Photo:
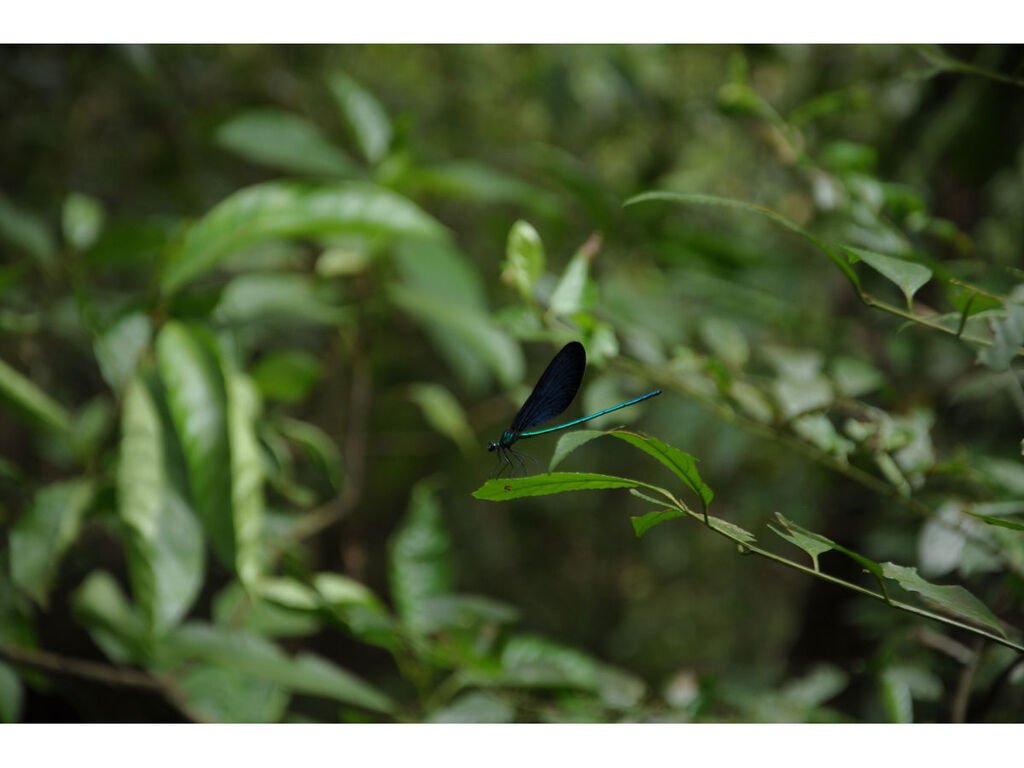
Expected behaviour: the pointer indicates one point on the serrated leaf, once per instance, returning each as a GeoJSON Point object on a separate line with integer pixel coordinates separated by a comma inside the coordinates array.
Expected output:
{"type": "Point", "coordinates": [714, 201]}
{"type": "Point", "coordinates": [909, 276]}
{"type": "Point", "coordinates": [420, 561]}
{"type": "Point", "coordinates": [276, 210]}
{"type": "Point", "coordinates": [445, 414]}
{"type": "Point", "coordinates": [283, 141]}
{"type": "Point", "coordinates": [683, 465]}
{"type": "Point", "coordinates": [507, 489]}
{"type": "Point", "coordinates": [369, 121]}
{"type": "Point", "coordinates": [42, 534]}
{"type": "Point", "coordinates": [952, 598]}
{"type": "Point", "coordinates": [813, 545]}
{"type": "Point", "coordinates": [29, 400]}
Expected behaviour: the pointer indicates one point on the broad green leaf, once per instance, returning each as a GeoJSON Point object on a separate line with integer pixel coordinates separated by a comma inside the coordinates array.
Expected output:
{"type": "Point", "coordinates": [102, 608]}
{"type": "Point", "coordinates": [524, 259]}
{"type": "Point", "coordinates": [12, 695]}
{"type": "Point", "coordinates": [246, 473]}
{"type": "Point", "coordinates": [220, 695]}
{"type": "Point", "coordinates": [471, 328]}
{"type": "Point", "coordinates": [81, 219]}
{"type": "Point", "coordinates": [120, 348]}
{"type": "Point", "coordinates": [794, 534]}
{"type": "Point", "coordinates": [197, 398]}
{"type": "Point", "coordinates": [507, 489]}
{"type": "Point", "coordinates": [259, 659]}
{"type": "Point", "coordinates": [952, 598]}
{"type": "Point", "coordinates": [683, 465]}
{"type": "Point", "coordinates": [27, 233]}
{"type": "Point", "coordinates": [643, 523]}
{"type": "Point", "coordinates": [445, 414]}
{"type": "Point", "coordinates": [477, 183]}
{"type": "Point", "coordinates": [42, 534]}
{"type": "Point", "coordinates": [569, 442]}
{"type": "Point", "coordinates": [907, 275]}
{"type": "Point", "coordinates": [711, 200]}
{"type": "Point", "coordinates": [275, 210]}
{"type": "Point", "coordinates": [533, 662]}
{"type": "Point", "coordinates": [476, 707]}
{"type": "Point", "coordinates": [287, 376]}
{"type": "Point", "coordinates": [355, 606]}
{"type": "Point", "coordinates": [570, 292]}
{"type": "Point", "coordinates": [282, 141]}
{"type": "Point", "coordinates": [29, 400]}
{"type": "Point", "coordinates": [288, 592]}
{"type": "Point", "coordinates": [236, 608]}
{"type": "Point", "coordinates": [420, 561]}
{"type": "Point", "coordinates": [164, 540]}
{"type": "Point", "coordinates": [369, 121]}
{"type": "Point", "coordinates": [276, 300]}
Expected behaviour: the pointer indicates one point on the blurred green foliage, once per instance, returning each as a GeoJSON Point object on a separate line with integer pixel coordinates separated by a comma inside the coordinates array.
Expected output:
{"type": "Point", "coordinates": [262, 307]}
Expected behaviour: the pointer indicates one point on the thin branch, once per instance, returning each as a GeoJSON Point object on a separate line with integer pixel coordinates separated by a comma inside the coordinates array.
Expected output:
{"type": "Point", "coordinates": [958, 711]}
{"type": "Point", "coordinates": [105, 674]}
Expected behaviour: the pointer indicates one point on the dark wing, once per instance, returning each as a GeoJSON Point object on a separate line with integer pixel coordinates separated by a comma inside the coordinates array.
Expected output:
{"type": "Point", "coordinates": [555, 389]}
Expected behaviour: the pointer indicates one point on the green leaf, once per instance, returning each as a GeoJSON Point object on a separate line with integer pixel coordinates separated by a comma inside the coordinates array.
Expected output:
{"type": "Point", "coordinates": [276, 300]}
{"type": "Point", "coordinates": [445, 414]}
{"type": "Point", "coordinates": [287, 376]}
{"type": "Point", "coordinates": [283, 141]}
{"type": "Point", "coordinates": [221, 695]}
{"type": "Point", "coordinates": [246, 474]}
{"type": "Point", "coordinates": [1000, 522]}
{"type": "Point", "coordinates": [164, 542]}
{"type": "Point", "coordinates": [361, 612]}
{"type": "Point", "coordinates": [197, 398]}
{"type": "Point", "coordinates": [27, 233]}
{"type": "Point", "coordinates": [683, 465]}
{"type": "Point", "coordinates": [81, 219]}
{"type": "Point", "coordinates": [420, 561]}
{"type": "Point", "coordinates": [1007, 337]}
{"type": "Point", "coordinates": [714, 201]}
{"type": "Point", "coordinates": [477, 183]}
{"type": "Point", "coordinates": [369, 121]}
{"type": "Point", "coordinates": [275, 210]}
{"type": "Point", "coordinates": [524, 259]}
{"type": "Point", "coordinates": [507, 489]}
{"type": "Point", "coordinates": [120, 348]}
{"type": "Point", "coordinates": [812, 539]}
{"type": "Point", "coordinates": [318, 444]}
{"type": "Point", "coordinates": [726, 341]}
{"type": "Point", "coordinates": [643, 523]}
{"type": "Point", "coordinates": [30, 401]}
{"type": "Point", "coordinates": [568, 296]}
{"type": "Point", "coordinates": [952, 598]}
{"type": "Point", "coordinates": [731, 530]}
{"type": "Point", "coordinates": [569, 442]}
{"type": "Point", "coordinates": [259, 659]}
{"type": "Point", "coordinates": [907, 275]}
{"type": "Point", "coordinates": [102, 608]}
{"type": "Point", "coordinates": [529, 661]}
{"type": "Point", "coordinates": [476, 707]}
{"type": "Point", "coordinates": [794, 534]}
{"type": "Point", "coordinates": [795, 396]}
{"type": "Point", "coordinates": [818, 430]}
{"type": "Point", "coordinates": [854, 377]}
{"type": "Point", "coordinates": [12, 695]}
{"type": "Point", "coordinates": [42, 534]}
{"type": "Point", "coordinates": [236, 608]}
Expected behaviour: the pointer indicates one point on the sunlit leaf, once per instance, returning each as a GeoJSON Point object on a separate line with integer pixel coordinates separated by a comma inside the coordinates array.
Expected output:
{"type": "Point", "coordinates": [81, 219]}
{"type": "Point", "coordinates": [524, 259]}
{"type": "Point", "coordinates": [283, 141]}
{"type": "Point", "coordinates": [277, 210]}
{"type": "Point", "coordinates": [569, 294]}
{"type": "Point", "coordinates": [369, 121]}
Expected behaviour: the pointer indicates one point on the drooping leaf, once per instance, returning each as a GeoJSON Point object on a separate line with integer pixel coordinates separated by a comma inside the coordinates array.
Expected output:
{"type": "Point", "coordinates": [282, 141]}
{"type": "Point", "coordinates": [909, 276]}
{"type": "Point", "coordinates": [369, 121]}
{"type": "Point", "coordinates": [29, 400]}
{"type": "Point", "coordinates": [951, 598]}
{"type": "Point", "coordinates": [42, 534]}
{"type": "Point", "coordinates": [276, 210]}
{"type": "Point", "coordinates": [683, 465]}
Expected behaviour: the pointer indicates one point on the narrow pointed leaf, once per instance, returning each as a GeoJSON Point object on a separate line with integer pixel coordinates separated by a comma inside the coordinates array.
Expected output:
{"type": "Point", "coordinates": [369, 121]}
{"type": "Point", "coordinates": [683, 465]}
{"type": "Point", "coordinates": [507, 489]}
{"type": "Point", "coordinates": [282, 141]}
{"type": "Point", "coordinates": [952, 598]}
{"type": "Point", "coordinates": [28, 400]}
